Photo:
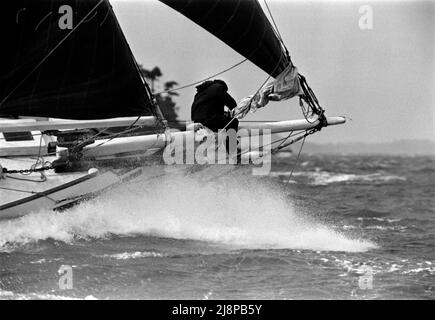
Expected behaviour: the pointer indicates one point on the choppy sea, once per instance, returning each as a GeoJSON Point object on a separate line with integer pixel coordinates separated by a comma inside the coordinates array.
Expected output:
{"type": "Point", "coordinates": [341, 227]}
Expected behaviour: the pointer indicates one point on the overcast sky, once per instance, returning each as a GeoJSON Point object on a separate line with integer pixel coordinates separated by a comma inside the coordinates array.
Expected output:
{"type": "Point", "coordinates": [383, 79]}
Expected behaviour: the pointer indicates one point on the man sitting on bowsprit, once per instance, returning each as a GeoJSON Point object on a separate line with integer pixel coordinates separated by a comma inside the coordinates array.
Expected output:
{"type": "Point", "coordinates": [208, 106]}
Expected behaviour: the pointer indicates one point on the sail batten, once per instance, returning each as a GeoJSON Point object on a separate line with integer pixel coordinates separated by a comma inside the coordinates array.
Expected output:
{"type": "Point", "coordinates": [67, 59]}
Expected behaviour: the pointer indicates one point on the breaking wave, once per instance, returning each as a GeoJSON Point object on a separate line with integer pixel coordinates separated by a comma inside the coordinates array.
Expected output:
{"type": "Point", "coordinates": [237, 210]}
{"type": "Point", "coordinates": [399, 266]}
{"type": "Point", "coordinates": [379, 219]}
{"type": "Point", "coordinates": [9, 295]}
{"type": "Point", "coordinates": [133, 255]}
{"type": "Point", "coordinates": [323, 178]}
{"type": "Point", "coordinates": [381, 228]}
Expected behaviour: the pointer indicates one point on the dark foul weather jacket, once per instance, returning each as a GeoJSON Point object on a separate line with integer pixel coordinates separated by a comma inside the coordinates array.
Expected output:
{"type": "Point", "coordinates": [208, 105]}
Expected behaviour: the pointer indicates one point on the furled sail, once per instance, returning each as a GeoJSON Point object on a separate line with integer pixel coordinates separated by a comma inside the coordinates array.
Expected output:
{"type": "Point", "coordinates": [67, 59]}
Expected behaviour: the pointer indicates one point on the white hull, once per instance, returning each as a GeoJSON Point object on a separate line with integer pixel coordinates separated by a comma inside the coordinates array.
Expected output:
{"type": "Point", "coordinates": [18, 197]}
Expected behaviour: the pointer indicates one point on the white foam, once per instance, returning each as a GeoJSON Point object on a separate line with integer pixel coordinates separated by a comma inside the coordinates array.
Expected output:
{"type": "Point", "coordinates": [430, 270]}
{"type": "Point", "coordinates": [133, 255]}
{"type": "Point", "coordinates": [9, 295]}
{"type": "Point", "coordinates": [379, 219]}
{"type": "Point", "coordinates": [323, 178]}
{"type": "Point", "coordinates": [210, 206]}
{"type": "Point", "coordinates": [40, 261]}
{"type": "Point", "coordinates": [376, 227]}
{"type": "Point", "coordinates": [6, 294]}
{"type": "Point", "coordinates": [383, 228]}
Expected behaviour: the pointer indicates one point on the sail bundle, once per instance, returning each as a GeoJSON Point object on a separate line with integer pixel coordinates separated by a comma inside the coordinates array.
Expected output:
{"type": "Point", "coordinates": [284, 87]}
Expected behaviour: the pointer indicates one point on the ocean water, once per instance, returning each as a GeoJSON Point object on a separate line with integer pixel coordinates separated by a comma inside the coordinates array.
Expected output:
{"type": "Point", "coordinates": [342, 227]}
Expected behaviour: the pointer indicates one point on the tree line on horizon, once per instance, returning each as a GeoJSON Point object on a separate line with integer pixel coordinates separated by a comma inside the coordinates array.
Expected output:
{"type": "Point", "coordinates": [164, 99]}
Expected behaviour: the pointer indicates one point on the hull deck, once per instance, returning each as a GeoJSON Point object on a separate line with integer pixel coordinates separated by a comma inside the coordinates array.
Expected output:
{"type": "Point", "coordinates": [21, 194]}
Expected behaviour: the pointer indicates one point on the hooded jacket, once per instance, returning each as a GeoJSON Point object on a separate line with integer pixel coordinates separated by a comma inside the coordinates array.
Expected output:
{"type": "Point", "coordinates": [210, 100]}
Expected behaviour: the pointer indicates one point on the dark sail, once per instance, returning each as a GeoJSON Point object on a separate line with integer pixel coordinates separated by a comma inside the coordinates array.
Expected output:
{"type": "Point", "coordinates": [55, 66]}
{"type": "Point", "coordinates": [242, 25]}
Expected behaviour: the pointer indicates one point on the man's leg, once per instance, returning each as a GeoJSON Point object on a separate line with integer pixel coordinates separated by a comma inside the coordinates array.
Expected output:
{"type": "Point", "coordinates": [231, 124]}
{"type": "Point", "coordinates": [234, 124]}
{"type": "Point", "coordinates": [218, 123]}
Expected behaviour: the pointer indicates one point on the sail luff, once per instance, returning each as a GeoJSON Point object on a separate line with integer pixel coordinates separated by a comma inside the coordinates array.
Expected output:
{"type": "Point", "coordinates": [242, 25]}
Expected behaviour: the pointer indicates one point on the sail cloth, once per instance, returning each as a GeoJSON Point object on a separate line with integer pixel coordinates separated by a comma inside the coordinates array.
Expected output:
{"type": "Point", "coordinates": [67, 59]}
{"type": "Point", "coordinates": [243, 26]}
{"type": "Point", "coordinates": [284, 87]}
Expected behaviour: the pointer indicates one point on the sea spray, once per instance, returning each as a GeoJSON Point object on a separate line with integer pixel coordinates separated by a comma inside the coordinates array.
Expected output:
{"type": "Point", "coordinates": [219, 204]}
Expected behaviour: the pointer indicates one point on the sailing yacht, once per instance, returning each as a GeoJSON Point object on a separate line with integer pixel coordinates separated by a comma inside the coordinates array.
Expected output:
{"type": "Point", "coordinates": [68, 76]}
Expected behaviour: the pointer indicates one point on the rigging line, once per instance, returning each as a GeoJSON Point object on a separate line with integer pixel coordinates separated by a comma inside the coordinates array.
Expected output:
{"type": "Point", "coordinates": [305, 112]}
{"type": "Point", "coordinates": [250, 100]}
{"type": "Point", "coordinates": [201, 81]}
{"type": "Point", "coordinates": [283, 140]}
{"type": "Point", "coordinates": [17, 190]}
{"type": "Point", "coordinates": [273, 20]}
{"type": "Point", "coordinates": [284, 145]}
{"type": "Point", "coordinates": [269, 76]}
{"type": "Point", "coordinates": [276, 30]}
{"type": "Point", "coordinates": [126, 131]}
{"type": "Point", "coordinates": [103, 143]}
{"type": "Point", "coordinates": [309, 97]}
{"type": "Point", "coordinates": [297, 160]}
{"type": "Point", "coordinates": [29, 192]}
{"type": "Point", "coordinates": [39, 160]}
{"type": "Point", "coordinates": [43, 19]}
{"type": "Point", "coordinates": [43, 178]}
{"type": "Point", "coordinates": [39, 151]}
{"type": "Point", "coordinates": [91, 138]}
{"type": "Point", "coordinates": [110, 138]}
{"type": "Point", "coordinates": [241, 121]}
{"type": "Point", "coordinates": [38, 157]}
{"type": "Point", "coordinates": [260, 121]}
{"type": "Point", "coordinates": [51, 52]}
